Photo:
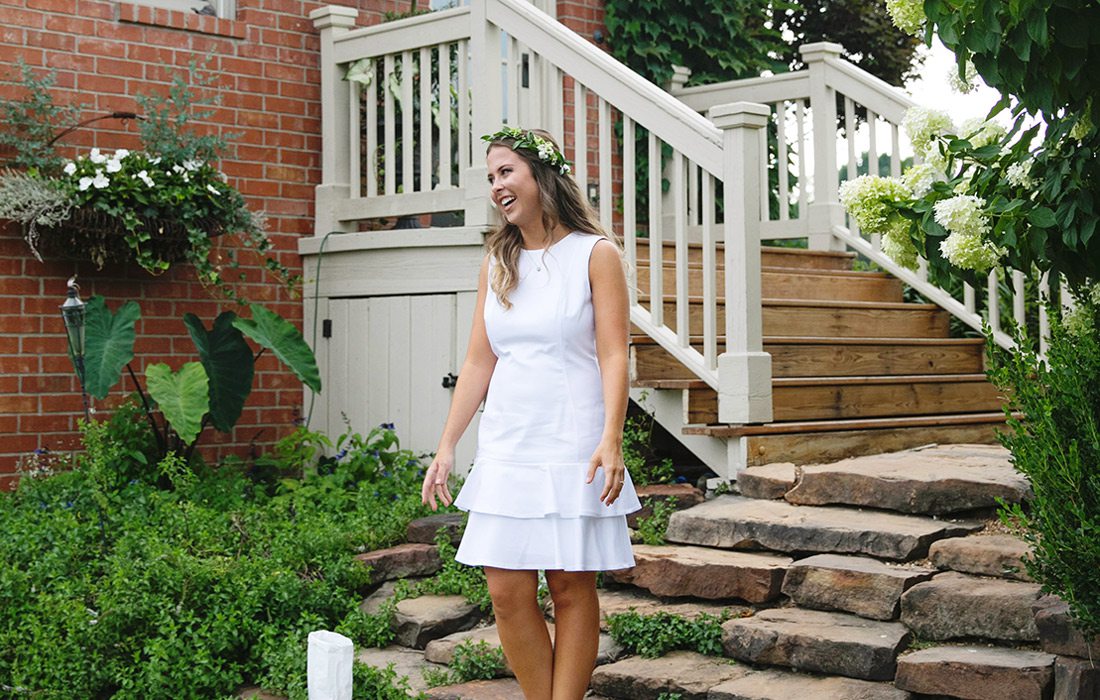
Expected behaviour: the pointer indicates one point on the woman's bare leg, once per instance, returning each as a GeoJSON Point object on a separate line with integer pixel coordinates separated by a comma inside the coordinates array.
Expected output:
{"type": "Point", "coordinates": [576, 631]}
{"type": "Point", "coordinates": [522, 629]}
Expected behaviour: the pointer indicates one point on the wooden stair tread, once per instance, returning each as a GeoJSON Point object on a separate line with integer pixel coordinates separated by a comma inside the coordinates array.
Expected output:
{"type": "Point", "coordinates": [638, 339]}
{"type": "Point", "coordinates": [821, 426]}
{"type": "Point", "coordinates": [670, 384]}
{"type": "Point", "coordinates": [857, 274]}
{"type": "Point", "coordinates": [818, 303]}
{"type": "Point", "coordinates": [878, 379]}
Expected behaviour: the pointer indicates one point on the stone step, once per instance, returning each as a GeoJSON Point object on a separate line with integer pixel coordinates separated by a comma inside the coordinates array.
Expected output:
{"type": "Point", "coordinates": [811, 640]}
{"type": "Point", "coordinates": [735, 522]}
{"type": "Point", "coordinates": [441, 651]}
{"type": "Point", "coordinates": [409, 663]}
{"type": "Point", "coordinates": [982, 555]}
{"type": "Point", "coordinates": [702, 572]}
{"type": "Point", "coordinates": [401, 561]}
{"type": "Point", "coordinates": [613, 602]}
{"type": "Point", "coordinates": [688, 673]}
{"type": "Point", "coordinates": [785, 685]}
{"type": "Point", "coordinates": [679, 496]}
{"type": "Point", "coordinates": [420, 620]}
{"type": "Point", "coordinates": [931, 480]}
{"type": "Point", "coordinates": [957, 606]}
{"type": "Point", "coordinates": [1057, 633]}
{"type": "Point", "coordinates": [498, 689]}
{"type": "Point", "coordinates": [977, 673]}
{"type": "Point", "coordinates": [859, 585]}
{"type": "Point", "coordinates": [423, 530]}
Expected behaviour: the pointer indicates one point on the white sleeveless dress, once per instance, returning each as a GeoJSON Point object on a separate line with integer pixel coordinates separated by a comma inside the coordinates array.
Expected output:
{"type": "Point", "coordinates": [529, 506]}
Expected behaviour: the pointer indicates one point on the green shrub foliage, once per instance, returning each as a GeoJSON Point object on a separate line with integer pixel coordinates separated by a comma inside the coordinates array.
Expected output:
{"type": "Point", "coordinates": [112, 587]}
{"type": "Point", "coordinates": [655, 635]}
{"type": "Point", "coordinates": [1057, 446]}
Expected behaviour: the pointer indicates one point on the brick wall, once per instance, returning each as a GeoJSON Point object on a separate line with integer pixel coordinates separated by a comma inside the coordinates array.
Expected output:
{"type": "Point", "coordinates": [266, 60]}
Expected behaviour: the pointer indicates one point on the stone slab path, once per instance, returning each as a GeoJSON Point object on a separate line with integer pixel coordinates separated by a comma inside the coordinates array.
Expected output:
{"type": "Point", "coordinates": [977, 673]}
{"type": "Point", "coordinates": [702, 572]}
{"type": "Point", "coordinates": [958, 606]}
{"type": "Point", "coordinates": [860, 585]}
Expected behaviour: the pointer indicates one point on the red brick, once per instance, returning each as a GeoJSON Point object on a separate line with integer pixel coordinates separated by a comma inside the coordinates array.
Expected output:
{"type": "Point", "coordinates": [14, 403]}
{"type": "Point", "coordinates": [55, 423]}
{"type": "Point", "coordinates": [48, 383]}
{"type": "Point", "coordinates": [9, 385]}
{"type": "Point", "coordinates": [51, 40]}
{"type": "Point", "coordinates": [18, 443]}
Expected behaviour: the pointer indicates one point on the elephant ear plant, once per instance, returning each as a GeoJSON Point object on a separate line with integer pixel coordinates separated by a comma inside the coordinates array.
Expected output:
{"type": "Point", "coordinates": [212, 390]}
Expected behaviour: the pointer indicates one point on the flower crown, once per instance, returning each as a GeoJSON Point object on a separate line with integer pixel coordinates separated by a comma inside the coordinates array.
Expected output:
{"type": "Point", "coordinates": [531, 141]}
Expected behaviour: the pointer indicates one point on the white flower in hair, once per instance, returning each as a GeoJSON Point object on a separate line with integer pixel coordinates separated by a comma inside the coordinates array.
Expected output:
{"type": "Point", "coordinates": [546, 151]}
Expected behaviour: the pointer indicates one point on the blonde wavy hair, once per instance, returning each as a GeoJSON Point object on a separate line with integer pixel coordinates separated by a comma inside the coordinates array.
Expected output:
{"type": "Point", "coordinates": [562, 203]}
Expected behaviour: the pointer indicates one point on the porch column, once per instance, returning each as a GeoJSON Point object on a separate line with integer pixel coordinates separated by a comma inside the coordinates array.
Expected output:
{"type": "Point", "coordinates": [825, 211]}
{"type": "Point", "coordinates": [335, 120]}
{"type": "Point", "coordinates": [744, 369]}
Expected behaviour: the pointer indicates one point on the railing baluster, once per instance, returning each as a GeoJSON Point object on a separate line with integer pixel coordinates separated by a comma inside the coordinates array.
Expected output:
{"type": "Point", "coordinates": [800, 118]}
{"type": "Point", "coordinates": [1018, 312]}
{"type": "Point", "coordinates": [781, 160]}
{"type": "Point", "coordinates": [895, 151]}
{"type": "Point", "coordinates": [425, 119]}
{"type": "Point", "coordinates": [580, 136]}
{"type": "Point", "coordinates": [710, 277]}
{"type": "Point", "coordinates": [535, 84]}
{"type": "Point", "coordinates": [630, 234]}
{"type": "Point", "coordinates": [694, 218]}
{"type": "Point", "coordinates": [679, 206]}
{"type": "Point", "coordinates": [512, 78]}
{"type": "Point", "coordinates": [850, 139]}
{"type": "Point", "coordinates": [968, 297]}
{"type": "Point", "coordinates": [445, 116]}
{"type": "Point", "coordinates": [388, 127]}
{"type": "Point", "coordinates": [355, 139]}
{"type": "Point", "coordinates": [872, 163]}
{"type": "Point", "coordinates": [605, 178]}
{"type": "Point", "coordinates": [556, 125]}
{"type": "Point", "coordinates": [372, 132]}
{"type": "Point", "coordinates": [407, 137]}
{"type": "Point", "coordinates": [993, 301]}
{"type": "Point", "coordinates": [1044, 321]}
{"type": "Point", "coordinates": [656, 243]}
{"type": "Point", "coordinates": [465, 159]}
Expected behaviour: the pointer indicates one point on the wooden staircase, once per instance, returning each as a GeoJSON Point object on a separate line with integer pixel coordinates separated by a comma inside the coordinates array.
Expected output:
{"type": "Point", "coordinates": [854, 366]}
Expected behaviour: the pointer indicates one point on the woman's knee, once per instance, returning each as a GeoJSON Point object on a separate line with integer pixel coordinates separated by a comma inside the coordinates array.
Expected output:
{"type": "Point", "coordinates": [571, 588]}
{"type": "Point", "coordinates": [511, 591]}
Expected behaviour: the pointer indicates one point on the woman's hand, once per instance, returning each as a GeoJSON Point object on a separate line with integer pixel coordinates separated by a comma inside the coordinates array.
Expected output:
{"type": "Point", "coordinates": [435, 480]}
{"type": "Point", "coordinates": [609, 455]}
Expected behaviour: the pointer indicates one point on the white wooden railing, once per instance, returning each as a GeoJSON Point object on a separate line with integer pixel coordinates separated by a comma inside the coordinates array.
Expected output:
{"type": "Point", "coordinates": [808, 203]}
{"type": "Point", "coordinates": [405, 142]}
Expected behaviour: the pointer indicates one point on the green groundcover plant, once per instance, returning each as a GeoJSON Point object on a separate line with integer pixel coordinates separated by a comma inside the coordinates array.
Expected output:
{"type": "Point", "coordinates": [113, 585]}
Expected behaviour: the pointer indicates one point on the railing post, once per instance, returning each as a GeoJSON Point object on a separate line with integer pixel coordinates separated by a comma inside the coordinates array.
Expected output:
{"type": "Point", "coordinates": [680, 76]}
{"type": "Point", "coordinates": [487, 105]}
{"type": "Point", "coordinates": [335, 185]}
{"type": "Point", "coordinates": [744, 369]}
{"type": "Point", "coordinates": [825, 211]}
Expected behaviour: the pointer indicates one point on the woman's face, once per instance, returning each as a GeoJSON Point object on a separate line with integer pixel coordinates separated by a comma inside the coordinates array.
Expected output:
{"type": "Point", "coordinates": [512, 187]}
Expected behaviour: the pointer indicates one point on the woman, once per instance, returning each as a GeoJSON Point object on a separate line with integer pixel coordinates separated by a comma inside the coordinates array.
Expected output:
{"type": "Point", "coordinates": [548, 354]}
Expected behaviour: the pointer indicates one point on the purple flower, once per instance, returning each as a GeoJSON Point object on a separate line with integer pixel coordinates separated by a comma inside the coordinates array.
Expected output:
{"type": "Point", "coordinates": [341, 454]}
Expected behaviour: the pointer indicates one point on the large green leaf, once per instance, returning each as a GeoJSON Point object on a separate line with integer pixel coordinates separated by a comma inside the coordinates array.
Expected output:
{"type": "Point", "coordinates": [182, 396]}
{"type": "Point", "coordinates": [275, 333]}
{"type": "Point", "coordinates": [229, 366]}
{"type": "Point", "coordinates": [108, 343]}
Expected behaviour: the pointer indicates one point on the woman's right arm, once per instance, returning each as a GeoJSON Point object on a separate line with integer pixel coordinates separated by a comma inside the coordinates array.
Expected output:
{"type": "Point", "coordinates": [470, 390]}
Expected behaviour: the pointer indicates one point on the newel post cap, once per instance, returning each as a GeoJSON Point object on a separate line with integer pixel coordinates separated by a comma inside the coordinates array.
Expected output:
{"type": "Point", "coordinates": [334, 17]}
{"type": "Point", "coordinates": [751, 115]}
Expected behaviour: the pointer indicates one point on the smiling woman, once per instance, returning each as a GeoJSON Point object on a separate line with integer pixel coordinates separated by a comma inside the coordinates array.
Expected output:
{"type": "Point", "coordinates": [548, 355]}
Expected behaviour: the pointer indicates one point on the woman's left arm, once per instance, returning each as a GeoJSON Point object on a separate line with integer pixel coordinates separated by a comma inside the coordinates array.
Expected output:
{"type": "Point", "coordinates": [612, 314]}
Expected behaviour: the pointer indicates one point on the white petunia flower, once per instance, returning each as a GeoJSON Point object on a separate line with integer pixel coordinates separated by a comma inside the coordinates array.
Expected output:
{"type": "Point", "coordinates": [908, 15]}
{"type": "Point", "coordinates": [177, 169]}
{"type": "Point", "coordinates": [213, 190]}
{"type": "Point", "coordinates": [70, 168]}
{"type": "Point", "coordinates": [144, 177]}
{"type": "Point", "coordinates": [85, 183]}
{"type": "Point", "coordinates": [96, 157]}
{"type": "Point", "coordinates": [192, 165]}
{"type": "Point", "coordinates": [100, 180]}
{"type": "Point", "coordinates": [114, 165]}
{"type": "Point", "coordinates": [121, 153]}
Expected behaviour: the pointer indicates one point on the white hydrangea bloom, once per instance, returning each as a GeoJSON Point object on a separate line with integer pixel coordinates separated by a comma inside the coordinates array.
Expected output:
{"type": "Point", "coordinates": [970, 252]}
{"type": "Point", "coordinates": [962, 214]}
{"type": "Point", "coordinates": [100, 180]}
{"type": "Point", "coordinates": [897, 244]}
{"type": "Point", "coordinates": [964, 85]}
{"type": "Point", "coordinates": [866, 199]}
{"type": "Point", "coordinates": [70, 168]}
{"type": "Point", "coordinates": [922, 125]}
{"type": "Point", "coordinates": [908, 15]}
{"type": "Point", "coordinates": [980, 132]}
{"type": "Point", "coordinates": [936, 159]}
{"type": "Point", "coordinates": [920, 178]}
{"type": "Point", "coordinates": [1019, 174]}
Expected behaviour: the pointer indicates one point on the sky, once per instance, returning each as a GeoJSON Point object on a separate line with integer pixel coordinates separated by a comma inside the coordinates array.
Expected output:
{"type": "Point", "coordinates": [931, 88]}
